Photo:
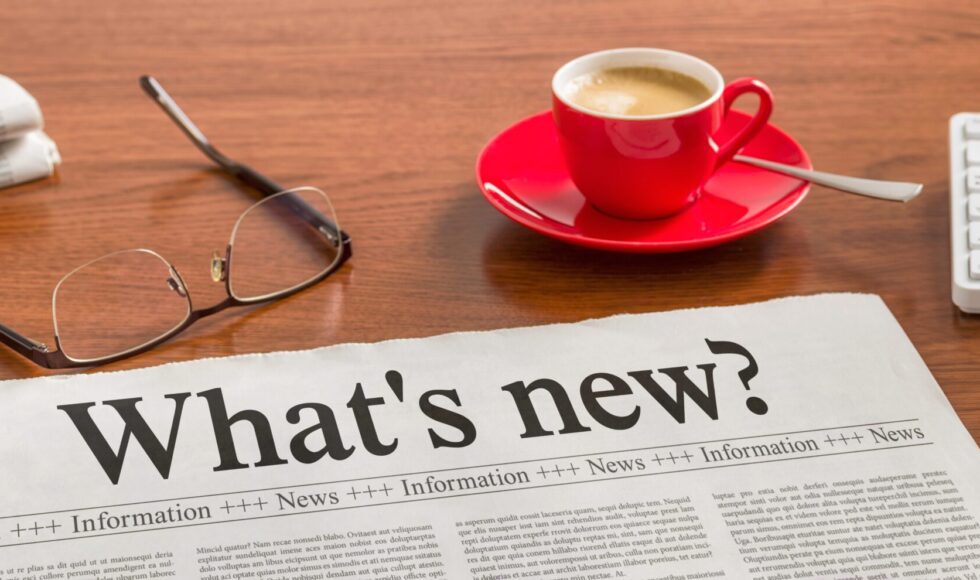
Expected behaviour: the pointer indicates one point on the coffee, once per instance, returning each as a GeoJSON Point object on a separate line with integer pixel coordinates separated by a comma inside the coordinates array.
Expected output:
{"type": "Point", "coordinates": [635, 91]}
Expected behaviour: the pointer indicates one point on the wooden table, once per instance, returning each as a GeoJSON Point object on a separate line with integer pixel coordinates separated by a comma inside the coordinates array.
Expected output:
{"type": "Point", "coordinates": [385, 105]}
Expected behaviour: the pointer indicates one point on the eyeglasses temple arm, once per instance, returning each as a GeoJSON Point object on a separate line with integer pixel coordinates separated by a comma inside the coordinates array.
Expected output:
{"type": "Point", "coordinates": [24, 346]}
{"type": "Point", "coordinates": [246, 174]}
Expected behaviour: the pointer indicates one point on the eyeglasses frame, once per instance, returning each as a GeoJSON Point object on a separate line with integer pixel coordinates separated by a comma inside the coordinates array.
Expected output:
{"type": "Point", "coordinates": [39, 353]}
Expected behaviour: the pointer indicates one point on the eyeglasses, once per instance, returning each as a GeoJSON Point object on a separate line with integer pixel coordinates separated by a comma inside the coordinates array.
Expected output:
{"type": "Point", "coordinates": [129, 302]}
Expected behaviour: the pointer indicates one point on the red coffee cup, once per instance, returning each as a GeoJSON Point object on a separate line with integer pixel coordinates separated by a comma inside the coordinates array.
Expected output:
{"type": "Point", "coordinates": [646, 167]}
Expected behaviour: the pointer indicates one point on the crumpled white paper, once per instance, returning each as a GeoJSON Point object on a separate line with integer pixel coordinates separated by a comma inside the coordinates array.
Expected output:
{"type": "Point", "coordinates": [19, 112]}
{"type": "Point", "coordinates": [33, 156]}
{"type": "Point", "coordinates": [26, 153]}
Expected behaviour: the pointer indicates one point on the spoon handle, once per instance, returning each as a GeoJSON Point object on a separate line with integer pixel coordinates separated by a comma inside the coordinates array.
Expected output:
{"type": "Point", "coordinates": [890, 190]}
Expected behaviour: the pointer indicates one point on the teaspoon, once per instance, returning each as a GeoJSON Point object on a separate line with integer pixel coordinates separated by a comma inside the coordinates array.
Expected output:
{"type": "Point", "coordinates": [889, 190]}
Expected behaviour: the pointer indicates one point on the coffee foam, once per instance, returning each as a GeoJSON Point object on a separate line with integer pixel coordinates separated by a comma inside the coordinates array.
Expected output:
{"type": "Point", "coordinates": [635, 91]}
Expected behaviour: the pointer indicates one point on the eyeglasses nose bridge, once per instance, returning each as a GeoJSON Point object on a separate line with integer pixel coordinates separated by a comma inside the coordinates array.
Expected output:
{"type": "Point", "coordinates": [219, 267]}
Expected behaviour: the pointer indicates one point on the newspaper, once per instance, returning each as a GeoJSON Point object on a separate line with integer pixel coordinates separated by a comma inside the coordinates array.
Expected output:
{"type": "Point", "coordinates": [797, 438]}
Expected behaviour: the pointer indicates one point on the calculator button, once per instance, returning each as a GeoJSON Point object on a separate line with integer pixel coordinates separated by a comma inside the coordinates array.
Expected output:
{"type": "Point", "coordinates": [973, 206]}
{"type": "Point", "coordinates": [973, 153]}
{"type": "Point", "coordinates": [972, 129]}
{"type": "Point", "coordinates": [973, 180]}
{"type": "Point", "coordinates": [974, 236]}
{"type": "Point", "coordinates": [975, 264]}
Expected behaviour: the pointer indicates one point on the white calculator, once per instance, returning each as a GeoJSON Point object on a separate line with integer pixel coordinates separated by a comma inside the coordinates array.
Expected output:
{"type": "Point", "coordinates": [964, 205]}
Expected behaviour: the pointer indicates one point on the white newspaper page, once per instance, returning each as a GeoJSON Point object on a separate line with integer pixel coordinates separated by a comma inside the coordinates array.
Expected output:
{"type": "Point", "coordinates": [797, 438]}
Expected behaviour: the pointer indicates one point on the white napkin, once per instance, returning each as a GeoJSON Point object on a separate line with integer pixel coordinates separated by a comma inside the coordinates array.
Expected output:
{"type": "Point", "coordinates": [33, 156]}
{"type": "Point", "coordinates": [19, 111]}
{"type": "Point", "coordinates": [26, 153]}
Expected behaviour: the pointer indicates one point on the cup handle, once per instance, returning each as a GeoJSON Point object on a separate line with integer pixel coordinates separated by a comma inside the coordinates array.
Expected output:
{"type": "Point", "coordinates": [734, 90]}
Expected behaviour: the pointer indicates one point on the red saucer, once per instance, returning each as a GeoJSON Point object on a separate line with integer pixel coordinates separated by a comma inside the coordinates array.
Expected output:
{"type": "Point", "coordinates": [522, 174]}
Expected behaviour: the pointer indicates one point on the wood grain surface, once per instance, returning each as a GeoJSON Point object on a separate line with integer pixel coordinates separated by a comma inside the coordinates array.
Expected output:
{"type": "Point", "coordinates": [386, 104]}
